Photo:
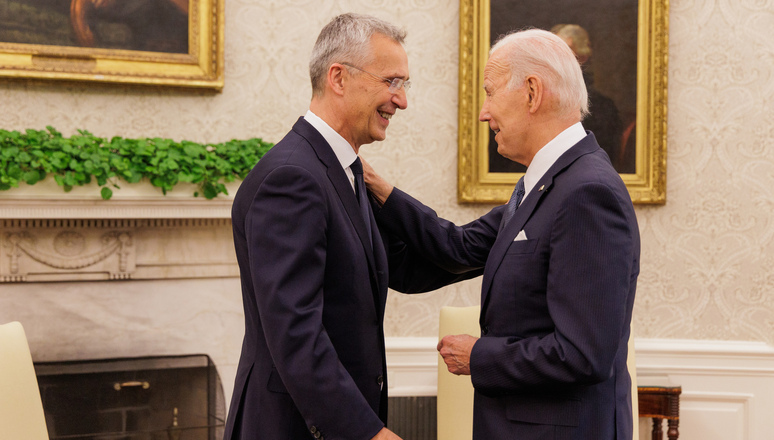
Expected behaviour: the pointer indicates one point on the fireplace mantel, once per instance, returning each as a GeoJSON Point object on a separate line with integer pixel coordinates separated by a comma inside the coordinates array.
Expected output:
{"type": "Point", "coordinates": [49, 235]}
{"type": "Point", "coordinates": [47, 200]}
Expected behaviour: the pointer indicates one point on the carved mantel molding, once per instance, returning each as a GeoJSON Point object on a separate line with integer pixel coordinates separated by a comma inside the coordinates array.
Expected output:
{"type": "Point", "coordinates": [114, 249]}
{"type": "Point", "coordinates": [49, 235]}
{"type": "Point", "coordinates": [46, 200]}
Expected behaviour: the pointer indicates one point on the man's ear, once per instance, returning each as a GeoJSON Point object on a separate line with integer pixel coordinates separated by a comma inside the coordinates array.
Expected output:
{"type": "Point", "coordinates": [535, 92]}
{"type": "Point", "coordinates": [336, 78]}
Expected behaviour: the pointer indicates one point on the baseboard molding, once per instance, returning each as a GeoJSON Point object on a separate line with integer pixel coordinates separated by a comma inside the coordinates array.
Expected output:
{"type": "Point", "coordinates": [728, 386]}
{"type": "Point", "coordinates": [412, 366]}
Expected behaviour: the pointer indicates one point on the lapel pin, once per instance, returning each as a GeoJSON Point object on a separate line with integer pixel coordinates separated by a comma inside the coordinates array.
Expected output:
{"type": "Point", "coordinates": [542, 187]}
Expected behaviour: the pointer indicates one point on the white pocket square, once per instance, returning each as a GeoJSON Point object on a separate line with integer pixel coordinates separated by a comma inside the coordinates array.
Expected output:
{"type": "Point", "coordinates": [520, 236]}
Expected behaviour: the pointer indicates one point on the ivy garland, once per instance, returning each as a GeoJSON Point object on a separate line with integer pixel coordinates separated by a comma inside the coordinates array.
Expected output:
{"type": "Point", "coordinates": [33, 155]}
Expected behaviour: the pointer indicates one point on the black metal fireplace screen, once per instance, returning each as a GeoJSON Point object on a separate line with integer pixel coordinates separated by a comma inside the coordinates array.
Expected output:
{"type": "Point", "coordinates": [148, 398]}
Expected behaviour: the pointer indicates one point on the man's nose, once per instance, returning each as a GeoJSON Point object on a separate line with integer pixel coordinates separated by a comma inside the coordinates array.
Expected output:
{"type": "Point", "coordinates": [401, 99]}
{"type": "Point", "coordinates": [483, 115]}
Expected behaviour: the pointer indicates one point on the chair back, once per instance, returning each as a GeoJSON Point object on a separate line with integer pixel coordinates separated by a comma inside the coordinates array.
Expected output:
{"type": "Point", "coordinates": [21, 409]}
{"type": "Point", "coordinates": [631, 366]}
{"type": "Point", "coordinates": [455, 393]}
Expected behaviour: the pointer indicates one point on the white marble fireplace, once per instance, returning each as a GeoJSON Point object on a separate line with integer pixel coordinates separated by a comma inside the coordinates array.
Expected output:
{"type": "Point", "coordinates": [142, 274]}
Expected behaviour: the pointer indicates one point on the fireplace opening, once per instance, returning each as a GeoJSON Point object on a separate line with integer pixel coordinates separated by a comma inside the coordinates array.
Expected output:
{"type": "Point", "coordinates": [147, 398]}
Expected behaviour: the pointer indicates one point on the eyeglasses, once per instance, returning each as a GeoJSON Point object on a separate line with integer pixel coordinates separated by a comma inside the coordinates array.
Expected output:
{"type": "Point", "coordinates": [395, 83]}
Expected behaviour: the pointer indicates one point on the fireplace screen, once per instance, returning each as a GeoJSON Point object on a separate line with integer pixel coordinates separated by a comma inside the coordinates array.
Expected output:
{"type": "Point", "coordinates": [149, 398]}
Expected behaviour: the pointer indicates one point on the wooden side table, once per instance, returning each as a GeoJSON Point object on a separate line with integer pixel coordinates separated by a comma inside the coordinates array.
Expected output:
{"type": "Point", "coordinates": [659, 403]}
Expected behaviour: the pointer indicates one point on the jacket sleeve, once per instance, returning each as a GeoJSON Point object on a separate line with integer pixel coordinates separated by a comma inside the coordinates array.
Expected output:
{"type": "Point", "coordinates": [410, 272]}
{"type": "Point", "coordinates": [286, 234]}
{"type": "Point", "coordinates": [457, 249]}
{"type": "Point", "coordinates": [591, 270]}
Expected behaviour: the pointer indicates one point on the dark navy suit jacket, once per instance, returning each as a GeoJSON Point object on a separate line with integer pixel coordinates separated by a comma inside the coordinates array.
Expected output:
{"type": "Point", "coordinates": [314, 289]}
{"type": "Point", "coordinates": [556, 307]}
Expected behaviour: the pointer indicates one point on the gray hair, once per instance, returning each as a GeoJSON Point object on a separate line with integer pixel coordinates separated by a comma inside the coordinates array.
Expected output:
{"type": "Point", "coordinates": [347, 39]}
{"type": "Point", "coordinates": [539, 52]}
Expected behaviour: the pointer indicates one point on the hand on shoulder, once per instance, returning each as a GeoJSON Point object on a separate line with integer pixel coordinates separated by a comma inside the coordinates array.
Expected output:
{"type": "Point", "coordinates": [380, 188]}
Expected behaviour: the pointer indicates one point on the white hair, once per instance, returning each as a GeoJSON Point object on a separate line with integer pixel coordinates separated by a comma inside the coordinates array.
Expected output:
{"type": "Point", "coordinates": [541, 53]}
{"type": "Point", "coordinates": [347, 39]}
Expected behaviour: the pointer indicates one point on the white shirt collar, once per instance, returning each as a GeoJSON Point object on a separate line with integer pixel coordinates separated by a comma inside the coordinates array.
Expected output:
{"type": "Point", "coordinates": [546, 156]}
{"type": "Point", "coordinates": [341, 148]}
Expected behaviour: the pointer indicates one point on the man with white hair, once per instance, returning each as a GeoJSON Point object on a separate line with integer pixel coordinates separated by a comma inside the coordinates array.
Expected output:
{"type": "Point", "coordinates": [560, 260]}
{"type": "Point", "coordinates": [313, 265]}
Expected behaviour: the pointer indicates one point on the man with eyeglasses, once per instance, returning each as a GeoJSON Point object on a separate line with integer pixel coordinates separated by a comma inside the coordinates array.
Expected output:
{"type": "Point", "coordinates": [314, 266]}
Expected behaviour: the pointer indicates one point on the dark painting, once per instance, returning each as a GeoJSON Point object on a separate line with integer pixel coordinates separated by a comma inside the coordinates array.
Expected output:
{"type": "Point", "coordinates": [603, 34]}
{"type": "Point", "coordinates": [138, 25]}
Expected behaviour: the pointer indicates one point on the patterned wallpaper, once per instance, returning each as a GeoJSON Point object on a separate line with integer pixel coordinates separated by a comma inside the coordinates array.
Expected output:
{"type": "Point", "coordinates": [707, 254]}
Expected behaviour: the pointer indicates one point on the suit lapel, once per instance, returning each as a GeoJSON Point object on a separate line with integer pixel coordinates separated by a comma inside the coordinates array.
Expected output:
{"type": "Point", "coordinates": [380, 258]}
{"type": "Point", "coordinates": [347, 196]}
{"type": "Point", "coordinates": [526, 209]}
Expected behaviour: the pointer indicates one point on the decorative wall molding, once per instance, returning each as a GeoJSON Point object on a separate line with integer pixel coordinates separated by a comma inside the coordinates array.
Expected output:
{"type": "Point", "coordinates": [728, 386]}
{"type": "Point", "coordinates": [412, 366]}
{"type": "Point", "coordinates": [114, 249]}
{"type": "Point", "coordinates": [117, 209]}
{"type": "Point", "coordinates": [47, 200]}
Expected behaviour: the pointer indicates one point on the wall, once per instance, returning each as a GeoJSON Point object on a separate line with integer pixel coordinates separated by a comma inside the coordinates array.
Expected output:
{"type": "Point", "coordinates": [707, 254]}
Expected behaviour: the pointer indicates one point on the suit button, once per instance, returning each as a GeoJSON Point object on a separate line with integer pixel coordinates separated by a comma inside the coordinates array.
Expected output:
{"type": "Point", "coordinates": [317, 435]}
{"type": "Point", "coordinates": [313, 429]}
{"type": "Point", "coordinates": [485, 330]}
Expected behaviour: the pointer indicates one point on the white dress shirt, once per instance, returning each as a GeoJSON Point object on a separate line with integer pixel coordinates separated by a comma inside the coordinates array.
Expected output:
{"type": "Point", "coordinates": [341, 148]}
{"type": "Point", "coordinates": [546, 156]}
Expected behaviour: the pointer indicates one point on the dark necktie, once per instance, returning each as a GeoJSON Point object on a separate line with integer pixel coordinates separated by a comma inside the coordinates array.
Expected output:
{"type": "Point", "coordinates": [513, 203]}
{"type": "Point", "coordinates": [362, 195]}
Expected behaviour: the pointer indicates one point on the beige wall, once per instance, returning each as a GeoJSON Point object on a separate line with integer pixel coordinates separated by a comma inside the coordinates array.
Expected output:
{"type": "Point", "coordinates": [707, 254]}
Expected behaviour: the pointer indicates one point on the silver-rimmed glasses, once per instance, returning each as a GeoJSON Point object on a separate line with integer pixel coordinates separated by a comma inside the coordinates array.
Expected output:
{"type": "Point", "coordinates": [395, 83]}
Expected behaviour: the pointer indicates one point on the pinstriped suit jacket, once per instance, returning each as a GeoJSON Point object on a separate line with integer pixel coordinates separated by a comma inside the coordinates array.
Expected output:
{"type": "Point", "coordinates": [556, 307]}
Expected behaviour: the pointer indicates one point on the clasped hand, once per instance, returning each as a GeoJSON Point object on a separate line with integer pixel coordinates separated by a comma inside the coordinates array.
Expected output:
{"type": "Point", "coordinates": [455, 350]}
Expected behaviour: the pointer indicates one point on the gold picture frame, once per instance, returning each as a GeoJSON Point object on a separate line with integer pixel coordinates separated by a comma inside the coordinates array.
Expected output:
{"type": "Point", "coordinates": [646, 182]}
{"type": "Point", "coordinates": [169, 43]}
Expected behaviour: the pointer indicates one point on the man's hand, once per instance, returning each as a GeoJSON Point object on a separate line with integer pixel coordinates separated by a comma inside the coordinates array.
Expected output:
{"type": "Point", "coordinates": [380, 188]}
{"type": "Point", "coordinates": [386, 434]}
{"type": "Point", "coordinates": [455, 350]}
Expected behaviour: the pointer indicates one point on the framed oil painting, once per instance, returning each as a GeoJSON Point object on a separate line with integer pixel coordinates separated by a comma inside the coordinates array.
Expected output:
{"type": "Point", "coordinates": [157, 42]}
{"type": "Point", "coordinates": [622, 48]}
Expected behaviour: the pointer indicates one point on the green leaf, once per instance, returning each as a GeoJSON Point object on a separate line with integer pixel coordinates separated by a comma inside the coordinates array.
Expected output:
{"type": "Point", "coordinates": [31, 177]}
{"type": "Point", "coordinates": [23, 157]}
{"type": "Point", "coordinates": [209, 191]}
{"type": "Point", "coordinates": [194, 150]}
{"type": "Point", "coordinates": [106, 193]}
{"type": "Point", "coordinates": [14, 171]}
{"type": "Point", "coordinates": [9, 152]}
